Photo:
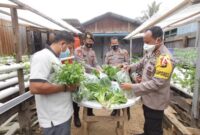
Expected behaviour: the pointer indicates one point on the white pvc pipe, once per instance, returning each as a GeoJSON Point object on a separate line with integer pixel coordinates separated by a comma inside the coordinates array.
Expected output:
{"type": "Point", "coordinates": [8, 75]}
{"type": "Point", "coordinates": [12, 90]}
{"type": "Point", "coordinates": [7, 68]}
{"type": "Point", "coordinates": [11, 81]}
{"type": "Point", "coordinates": [1, 104]}
{"type": "Point", "coordinates": [13, 67]}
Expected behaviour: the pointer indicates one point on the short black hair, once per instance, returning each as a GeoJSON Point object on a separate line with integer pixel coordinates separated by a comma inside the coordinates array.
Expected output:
{"type": "Point", "coordinates": [68, 37]}
{"type": "Point", "coordinates": [156, 31]}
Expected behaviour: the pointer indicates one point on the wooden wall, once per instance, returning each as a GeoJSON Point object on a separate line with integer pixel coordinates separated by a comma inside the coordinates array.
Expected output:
{"type": "Point", "coordinates": [6, 38]}
{"type": "Point", "coordinates": [181, 41]}
{"type": "Point", "coordinates": [101, 47]}
{"type": "Point", "coordinates": [110, 25]}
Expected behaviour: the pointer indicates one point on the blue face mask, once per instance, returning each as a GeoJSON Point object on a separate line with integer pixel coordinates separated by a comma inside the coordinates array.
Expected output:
{"type": "Point", "coordinates": [65, 54]}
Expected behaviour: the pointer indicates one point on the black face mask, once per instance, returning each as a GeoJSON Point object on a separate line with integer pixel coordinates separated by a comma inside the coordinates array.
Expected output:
{"type": "Point", "coordinates": [88, 45]}
{"type": "Point", "coordinates": [115, 47]}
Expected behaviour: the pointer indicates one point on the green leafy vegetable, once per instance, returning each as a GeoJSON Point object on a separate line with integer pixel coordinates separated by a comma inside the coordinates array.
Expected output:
{"type": "Point", "coordinates": [99, 91]}
{"type": "Point", "coordinates": [70, 74]}
{"type": "Point", "coordinates": [110, 71]}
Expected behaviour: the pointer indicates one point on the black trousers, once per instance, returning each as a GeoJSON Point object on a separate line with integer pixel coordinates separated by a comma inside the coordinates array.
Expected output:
{"type": "Point", "coordinates": [153, 121]}
{"type": "Point", "coordinates": [77, 109]}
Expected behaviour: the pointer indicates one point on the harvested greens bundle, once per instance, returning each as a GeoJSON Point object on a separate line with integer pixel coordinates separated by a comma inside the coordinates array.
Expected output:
{"type": "Point", "coordinates": [69, 74]}
{"type": "Point", "coordinates": [110, 71]}
{"type": "Point", "coordinates": [100, 90]}
{"type": "Point", "coordinates": [122, 77]}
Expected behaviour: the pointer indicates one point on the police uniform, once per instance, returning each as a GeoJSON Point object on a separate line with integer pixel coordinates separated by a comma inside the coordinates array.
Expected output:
{"type": "Point", "coordinates": [88, 57]}
{"type": "Point", "coordinates": [115, 58]}
{"type": "Point", "coordinates": [155, 87]}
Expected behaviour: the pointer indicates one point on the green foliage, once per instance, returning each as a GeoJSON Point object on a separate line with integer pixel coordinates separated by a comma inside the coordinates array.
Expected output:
{"type": "Point", "coordinates": [110, 71]}
{"type": "Point", "coordinates": [188, 79]}
{"type": "Point", "coordinates": [186, 64]}
{"type": "Point", "coordinates": [70, 74]}
{"type": "Point", "coordinates": [152, 9]}
{"type": "Point", "coordinates": [100, 92]}
{"type": "Point", "coordinates": [185, 56]}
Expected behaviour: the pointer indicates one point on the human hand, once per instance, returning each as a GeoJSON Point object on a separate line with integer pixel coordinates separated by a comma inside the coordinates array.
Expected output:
{"type": "Point", "coordinates": [126, 68]}
{"type": "Point", "coordinates": [71, 87]}
{"type": "Point", "coordinates": [126, 86]}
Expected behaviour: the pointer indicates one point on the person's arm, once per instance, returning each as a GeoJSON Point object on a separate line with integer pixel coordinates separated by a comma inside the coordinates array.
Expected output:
{"type": "Point", "coordinates": [48, 88]}
{"type": "Point", "coordinates": [98, 67]}
{"type": "Point", "coordinates": [40, 70]}
{"type": "Point", "coordinates": [126, 57]}
{"type": "Point", "coordinates": [137, 66]}
{"type": "Point", "coordinates": [80, 60]}
{"type": "Point", "coordinates": [145, 88]}
{"type": "Point", "coordinates": [160, 78]}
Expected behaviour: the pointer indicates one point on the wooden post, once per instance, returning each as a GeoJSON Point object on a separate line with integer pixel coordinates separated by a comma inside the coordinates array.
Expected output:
{"type": "Point", "coordinates": [131, 49]}
{"type": "Point", "coordinates": [23, 119]}
{"type": "Point", "coordinates": [185, 42]}
{"type": "Point", "coordinates": [85, 124]}
{"type": "Point", "coordinates": [196, 97]}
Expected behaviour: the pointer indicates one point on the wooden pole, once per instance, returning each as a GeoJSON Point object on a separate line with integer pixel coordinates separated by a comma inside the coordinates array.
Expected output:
{"type": "Point", "coordinates": [196, 97]}
{"type": "Point", "coordinates": [23, 116]}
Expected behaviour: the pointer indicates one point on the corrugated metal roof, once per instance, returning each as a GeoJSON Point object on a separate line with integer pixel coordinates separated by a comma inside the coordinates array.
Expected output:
{"type": "Point", "coordinates": [109, 34]}
{"type": "Point", "coordinates": [188, 14]}
{"type": "Point", "coordinates": [159, 17]}
{"type": "Point", "coordinates": [120, 17]}
{"type": "Point", "coordinates": [37, 19]}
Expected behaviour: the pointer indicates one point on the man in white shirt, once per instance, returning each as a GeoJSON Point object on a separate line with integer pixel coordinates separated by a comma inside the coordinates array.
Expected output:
{"type": "Point", "coordinates": [53, 101]}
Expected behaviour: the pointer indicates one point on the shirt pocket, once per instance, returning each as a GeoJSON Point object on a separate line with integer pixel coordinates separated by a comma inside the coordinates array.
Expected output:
{"type": "Point", "coordinates": [121, 57]}
{"type": "Point", "coordinates": [150, 70]}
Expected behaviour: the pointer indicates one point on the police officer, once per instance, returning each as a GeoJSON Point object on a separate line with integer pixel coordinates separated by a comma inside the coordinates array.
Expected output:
{"type": "Point", "coordinates": [116, 57]}
{"type": "Point", "coordinates": [85, 55]}
{"type": "Point", "coordinates": [157, 67]}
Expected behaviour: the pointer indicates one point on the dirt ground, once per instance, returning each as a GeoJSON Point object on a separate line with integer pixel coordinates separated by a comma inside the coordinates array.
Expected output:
{"type": "Point", "coordinates": [134, 126]}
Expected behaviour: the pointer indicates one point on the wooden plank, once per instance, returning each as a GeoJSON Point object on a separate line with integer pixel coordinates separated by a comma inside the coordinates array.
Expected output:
{"type": "Point", "coordinates": [9, 120]}
{"type": "Point", "coordinates": [104, 118]}
{"type": "Point", "coordinates": [85, 124]}
{"type": "Point", "coordinates": [182, 103]}
{"type": "Point", "coordinates": [24, 119]}
{"type": "Point", "coordinates": [196, 97]}
{"type": "Point", "coordinates": [5, 116]}
{"type": "Point", "coordinates": [9, 6]}
{"type": "Point", "coordinates": [194, 131]}
{"type": "Point", "coordinates": [13, 129]}
{"type": "Point", "coordinates": [178, 126]}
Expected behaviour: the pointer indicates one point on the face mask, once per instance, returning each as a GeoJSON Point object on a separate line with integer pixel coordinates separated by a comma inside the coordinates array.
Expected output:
{"type": "Point", "coordinates": [64, 54]}
{"type": "Point", "coordinates": [149, 47]}
{"type": "Point", "coordinates": [88, 45]}
{"type": "Point", "coordinates": [115, 47]}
